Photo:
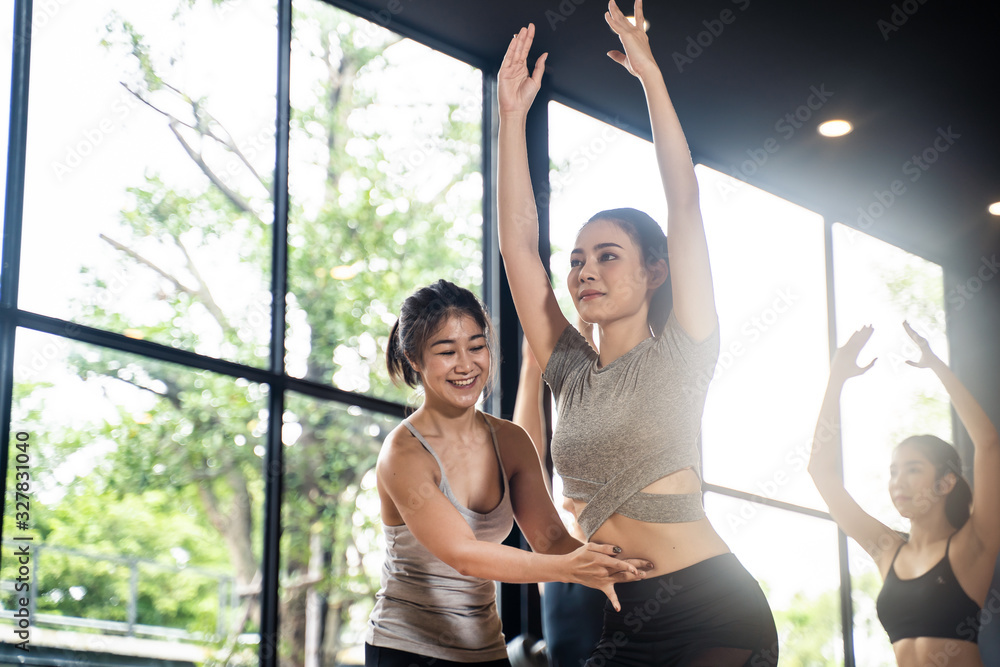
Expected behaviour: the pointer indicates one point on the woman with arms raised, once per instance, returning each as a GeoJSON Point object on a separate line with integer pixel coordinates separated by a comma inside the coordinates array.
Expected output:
{"type": "Point", "coordinates": [451, 480]}
{"type": "Point", "coordinates": [626, 441]}
{"type": "Point", "coordinates": [936, 579]}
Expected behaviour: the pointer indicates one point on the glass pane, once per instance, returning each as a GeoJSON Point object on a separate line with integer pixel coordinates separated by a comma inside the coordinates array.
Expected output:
{"type": "Point", "coordinates": [386, 190]}
{"type": "Point", "coordinates": [879, 284]}
{"type": "Point", "coordinates": [794, 558]}
{"type": "Point", "coordinates": [147, 196]}
{"type": "Point", "coordinates": [331, 532]}
{"type": "Point", "coordinates": [146, 490]}
{"type": "Point", "coordinates": [871, 643]}
{"type": "Point", "coordinates": [6, 28]}
{"type": "Point", "coordinates": [768, 265]}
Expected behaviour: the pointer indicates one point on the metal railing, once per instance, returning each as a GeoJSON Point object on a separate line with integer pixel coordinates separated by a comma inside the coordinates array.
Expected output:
{"type": "Point", "coordinates": [226, 586]}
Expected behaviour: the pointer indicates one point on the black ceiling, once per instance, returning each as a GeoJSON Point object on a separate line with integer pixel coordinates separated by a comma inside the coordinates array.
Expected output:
{"type": "Point", "coordinates": [912, 75]}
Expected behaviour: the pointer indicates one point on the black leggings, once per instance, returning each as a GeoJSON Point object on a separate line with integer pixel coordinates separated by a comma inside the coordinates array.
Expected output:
{"type": "Point", "coordinates": [712, 613]}
{"type": "Point", "coordinates": [378, 656]}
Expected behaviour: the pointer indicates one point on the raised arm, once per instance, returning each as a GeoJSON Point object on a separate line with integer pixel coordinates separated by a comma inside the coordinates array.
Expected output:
{"type": "Point", "coordinates": [405, 477]}
{"type": "Point", "coordinates": [691, 274]}
{"type": "Point", "coordinates": [824, 465]}
{"type": "Point", "coordinates": [541, 318]}
{"type": "Point", "coordinates": [986, 464]}
{"type": "Point", "coordinates": [528, 412]}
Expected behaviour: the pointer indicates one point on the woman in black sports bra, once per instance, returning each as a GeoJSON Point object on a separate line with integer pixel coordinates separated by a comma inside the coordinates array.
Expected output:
{"type": "Point", "coordinates": [936, 581]}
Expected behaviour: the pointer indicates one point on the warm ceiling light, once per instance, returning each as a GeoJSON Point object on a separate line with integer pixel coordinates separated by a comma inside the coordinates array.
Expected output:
{"type": "Point", "coordinates": [995, 208]}
{"type": "Point", "coordinates": [645, 23]}
{"type": "Point", "coordinates": [835, 128]}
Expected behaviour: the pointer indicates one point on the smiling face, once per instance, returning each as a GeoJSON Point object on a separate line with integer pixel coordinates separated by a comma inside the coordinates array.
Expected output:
{"type": "Point", "coordinates": [608, 277]}
{"type": "Point", "coordinates": [913, 483]}
{"type": "Point", "coordinates": [455, 363]}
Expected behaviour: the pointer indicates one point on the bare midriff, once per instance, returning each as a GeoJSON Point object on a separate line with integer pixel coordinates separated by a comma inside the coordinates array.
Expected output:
{"type": "Point", "coordinates": [669, 546]}
{"type": "Point", "coordinates": [921, 651]}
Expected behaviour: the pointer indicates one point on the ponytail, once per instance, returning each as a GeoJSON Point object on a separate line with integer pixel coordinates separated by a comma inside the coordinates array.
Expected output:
{"type": "Point", "coordinates": [396, 362]}
{"type": "Point", "coordinates": [958, 504]}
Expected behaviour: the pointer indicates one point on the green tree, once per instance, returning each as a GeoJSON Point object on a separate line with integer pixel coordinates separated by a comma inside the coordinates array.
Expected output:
{"type": "Point", "coordinates": [191, 452]}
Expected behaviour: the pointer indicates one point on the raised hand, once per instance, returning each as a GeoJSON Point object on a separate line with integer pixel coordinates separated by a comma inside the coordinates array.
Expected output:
{"type": "Point", "coordinates": [927, 356]}
{"type": "Point", "coordinates": [516, 88]}
{"type": "Point", "coordinates": [638, 58]}
{"type": "Point", "coordinates": [845, 360]}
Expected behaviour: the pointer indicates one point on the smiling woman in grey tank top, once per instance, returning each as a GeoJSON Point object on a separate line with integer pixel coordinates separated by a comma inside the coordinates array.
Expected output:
{"type": "Point", "coordinates": [451, 482]}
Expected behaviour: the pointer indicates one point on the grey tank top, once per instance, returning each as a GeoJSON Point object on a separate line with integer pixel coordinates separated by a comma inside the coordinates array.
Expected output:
{"type": "Point", "coordinates": [424, 605]}
{"type": "Point", "coordinates": [626, 425]}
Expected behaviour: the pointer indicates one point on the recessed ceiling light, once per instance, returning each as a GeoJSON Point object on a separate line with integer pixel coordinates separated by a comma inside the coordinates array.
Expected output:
{"type": "Point", "coordinates": [995, 208]}
{"type": "Point", "coordinates": [645, 23]}
{"type": "Point", "coordinates": [835, 128]}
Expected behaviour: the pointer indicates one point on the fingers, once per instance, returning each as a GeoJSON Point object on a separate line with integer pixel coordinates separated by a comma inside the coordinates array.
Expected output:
{"type": "Point", "coordinates": [605, 556]}
{"type": "Point", "coordinates": [609, 590]}
{"type": "Point", "coordinates": [536, 76]}
{"type": "Point", "coordinates": [526, 37]}
{"type": "Point", "coordinates": [616, 19]}
{"type": "Point", "coordinates": [642, 564]}
{"type": "Point", "coordinates": [912, 333]}
{"type": "Point", "coordinates": [619, 58]}
{"type": "Point", "coordinates": [864, 333]}
{"type": "Point", "coordinates": [639, 21]}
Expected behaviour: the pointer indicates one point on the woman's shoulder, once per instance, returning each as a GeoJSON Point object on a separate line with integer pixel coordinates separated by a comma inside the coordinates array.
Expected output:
{"type": "Point", "coordinates": [400, 449]}
{"type": "Point", "coordinates": [504, 428]}
{"type": "Point", "coordinates": [510, 437]}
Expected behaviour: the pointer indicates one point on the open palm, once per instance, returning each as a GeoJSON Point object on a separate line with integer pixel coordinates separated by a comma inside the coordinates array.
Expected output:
{"type": "Point", "coordinates": [845, 360]}
{"type": "Point", "coordinates": [516, 87]}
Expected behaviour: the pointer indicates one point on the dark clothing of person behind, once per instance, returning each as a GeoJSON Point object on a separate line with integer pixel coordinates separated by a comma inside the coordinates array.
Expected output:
{"type": "Point", "coordinates": [572, 618]}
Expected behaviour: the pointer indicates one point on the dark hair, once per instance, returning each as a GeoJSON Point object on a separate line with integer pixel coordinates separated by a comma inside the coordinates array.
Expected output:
{"type": "Point", "coordinates": [421, 314]}
{"type": "Point", "coordinates": [648, 236]}
{"type": "Point", "coordinates": [945, 459]}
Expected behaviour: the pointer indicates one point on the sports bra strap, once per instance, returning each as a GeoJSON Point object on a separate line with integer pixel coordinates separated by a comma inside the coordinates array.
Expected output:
{"type": "Point", "coordinates": [892, 565]}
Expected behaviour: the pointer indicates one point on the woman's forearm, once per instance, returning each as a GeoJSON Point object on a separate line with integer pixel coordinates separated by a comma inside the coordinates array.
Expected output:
{"type": "Point", "coordinates": [673, 155]}
{"type": "Point", "coordinates": [516, 212]}
{"type": "Point", "coordinates": [825, 457]}
{"type": "Point", "coordinates": [975, 420]}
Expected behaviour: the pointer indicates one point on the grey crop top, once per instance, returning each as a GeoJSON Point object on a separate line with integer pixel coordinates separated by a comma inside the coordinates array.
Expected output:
{"type": "Point", "coordinates": [626, 425]}
{"type": "Point", "coordinates": [424, 605]}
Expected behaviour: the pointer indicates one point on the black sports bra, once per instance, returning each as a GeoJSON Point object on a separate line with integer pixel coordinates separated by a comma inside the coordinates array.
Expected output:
{"type": "Point", "coordinates": [931, 605]}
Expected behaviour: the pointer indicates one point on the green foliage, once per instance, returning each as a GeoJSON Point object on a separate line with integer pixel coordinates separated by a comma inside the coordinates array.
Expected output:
{"type": "Point", "coordinates": [170, 470]}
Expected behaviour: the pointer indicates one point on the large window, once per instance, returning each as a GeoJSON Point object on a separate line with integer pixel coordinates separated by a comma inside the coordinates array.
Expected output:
{"type": "Point", "coordinates": [147, 202]}
{"type": "Point", "coordinates": [159, 435]}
